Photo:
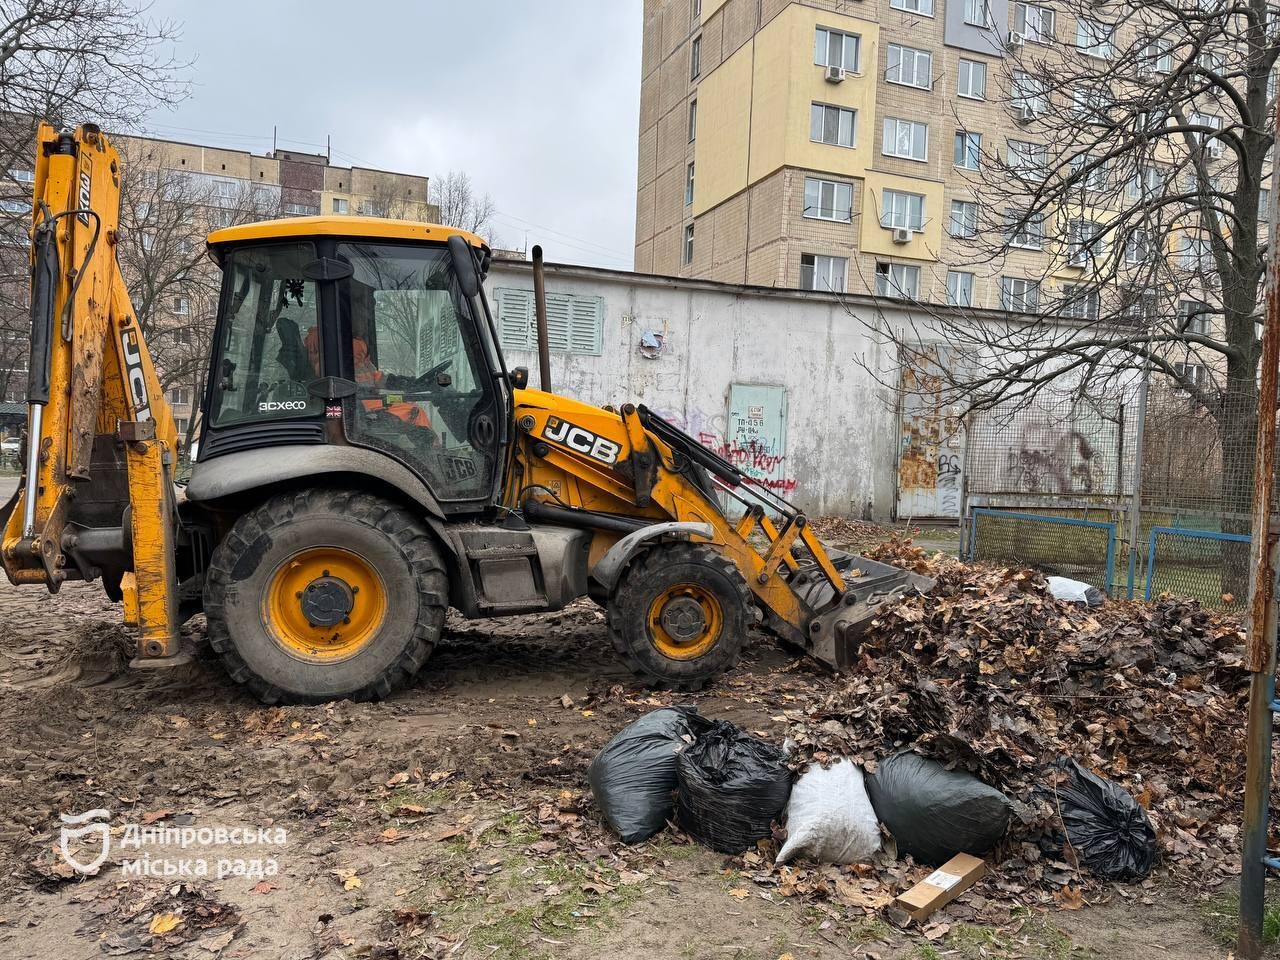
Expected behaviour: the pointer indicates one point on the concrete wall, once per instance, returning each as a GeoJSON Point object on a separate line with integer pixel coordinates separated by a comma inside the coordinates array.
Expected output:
{"type": "Point", "coordinates": [841, 431]}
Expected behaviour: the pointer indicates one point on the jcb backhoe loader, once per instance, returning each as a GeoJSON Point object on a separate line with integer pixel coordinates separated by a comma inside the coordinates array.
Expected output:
{"type": "Point", "coordinates": [367, 460]}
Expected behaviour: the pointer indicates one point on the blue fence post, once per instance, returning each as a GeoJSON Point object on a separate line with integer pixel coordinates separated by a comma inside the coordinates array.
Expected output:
{"type": "Point", "coordinates": [1111, 557]}
{"type": "Point", "coordinates": [1151, 562]}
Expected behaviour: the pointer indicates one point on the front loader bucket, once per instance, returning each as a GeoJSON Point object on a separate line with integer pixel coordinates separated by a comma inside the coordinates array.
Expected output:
{"type": "Point", "coordinates": [835, 632]}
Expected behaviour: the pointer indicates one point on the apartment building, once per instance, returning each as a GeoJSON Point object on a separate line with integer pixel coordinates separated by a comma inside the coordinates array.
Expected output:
{"type": "Point", "coordinates": [834, 144]}
{"type": "Point", "coordinates": [220, 186]}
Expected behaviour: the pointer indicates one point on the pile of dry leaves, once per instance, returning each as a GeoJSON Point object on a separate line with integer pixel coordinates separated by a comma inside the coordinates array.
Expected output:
{"type": "Point", "coordinates": [991, 674]}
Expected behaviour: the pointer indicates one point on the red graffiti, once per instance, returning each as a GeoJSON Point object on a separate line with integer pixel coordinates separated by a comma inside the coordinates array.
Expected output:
{"type": "Point", "coordinates": [752, 459]}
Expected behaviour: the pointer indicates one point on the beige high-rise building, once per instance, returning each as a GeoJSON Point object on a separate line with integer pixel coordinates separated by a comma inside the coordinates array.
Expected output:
{"type": "Point", "coordinates": [765, 155]}
{"type": "Point", "coordinates": [834, 144]}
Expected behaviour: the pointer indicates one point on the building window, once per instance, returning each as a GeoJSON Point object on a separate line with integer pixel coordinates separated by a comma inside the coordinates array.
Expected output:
{"type": "Point", "coordinates": [695, 58]}
{"type": "Point", "coordinates": [828, 200]}
{"type": "Point", "coordinates": [340, 205]}
{"type": "Point", "coordinates": [688, 245]}
{"type": "Point", "coordinates": [1095, 38]}
{"type": "Point", "coordinates": [823, 273]}
{"type": "Point", "coordinates": [1085, 243]}
{"type": "Point", "coordinates": [180, 395]}
{"type": "Point", "coordinates": [1029, 95]}
{"type": "Point", "coordinates": [1196, 253]}
{"type": "Point", "coordinates": [182, 423]}
{"type": "Point", "coordinates": [1026, 160]}
{"type": "Point", "coordinates": [1264, 204]}
{"type": "Point", "coordinates": [832, 48]}
{"type": "Point", "coordinates": [1090, 172]}
{"type": "Point", "coordinates": [688, 186]}
{"type": "Point", "coordinates": [697, 9]}
{"type": "Point", "coordinates": [15, 206]}
{"type": "Point", "coordinates": [968, 149]}
{"type": "Point", "coordinates": [897, 280]}
{"type": "Point", "coordinates": [23, 175]}
{"type": "Point", "coordinates": [181, 335]}
{"type": "Point", "coordinates": [575, 324]}
{"type": "Point", "coordinates": [302, 209]}
{"type": "Point", "coordinates": [1080, 302]}
{"type": "Point", "coordinates": [973, 80]}
{"type": "Point", "coordinates": [977, 13]}
{"type": "Point", "coordinates": [964, 219]}
{"type": "Point", "coordinates": [1140, 305]}
{"type": "Point", "coordinates": [910, 67]}
{"type": "Point", "coordinates": [1148, 181]}
{"type": "Point", "coordinates": [1195, 317]}
{"type": "Point", "coordinates": [1193, 374]}
{"type": "Point", "coordinates": [1212, 147]}
{"type": "Point", "coordinates": [1033, 22]}
{"type": "Point", "coordinates": [922, 7]}
{"type": "Point", "coordinates": [181, 306]}
{"type": "Point", "coordinates": [1156, 56]}
{"type": "Point", "coordinates": [908, 139]}
{"type": "Point", "coordinates": [902, 211]}
{"type": "Point", "coordinates": [1023, 230]}
{"type": "Point", "coordinates": [1018, 295]}
{"type": "Point", "coordinates": [1138, 247]}
{"type": "Point", "coordinates": [693, 120]}
{"type": "Point", "coordinates": [959, 288]}
{"type": "Point", "coordinates": [833, 125]}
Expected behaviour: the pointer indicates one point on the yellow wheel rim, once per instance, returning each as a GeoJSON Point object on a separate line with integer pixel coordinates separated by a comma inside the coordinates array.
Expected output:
{"type": "Point", "coordinates": [685, 621]}
{"type": "Point", "coordinates": [324, 604]}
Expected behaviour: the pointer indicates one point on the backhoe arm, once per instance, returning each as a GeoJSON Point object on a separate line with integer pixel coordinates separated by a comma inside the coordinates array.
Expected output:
{"type": "Point", "coordinates": [95, 406]}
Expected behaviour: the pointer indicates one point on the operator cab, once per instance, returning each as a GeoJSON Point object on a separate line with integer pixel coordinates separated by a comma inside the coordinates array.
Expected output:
{"type": "Point", "coordinates": [360, 332]}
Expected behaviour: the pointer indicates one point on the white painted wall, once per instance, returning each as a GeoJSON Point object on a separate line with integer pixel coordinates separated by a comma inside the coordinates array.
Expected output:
{"type": "Point", "coordinates": [842, 429]}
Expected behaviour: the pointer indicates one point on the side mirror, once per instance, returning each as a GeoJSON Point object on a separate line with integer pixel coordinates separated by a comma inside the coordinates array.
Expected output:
{"type": "Point", "coordinates": [520, 377]}
{"type": "Point", "coordinates": [464, 266]}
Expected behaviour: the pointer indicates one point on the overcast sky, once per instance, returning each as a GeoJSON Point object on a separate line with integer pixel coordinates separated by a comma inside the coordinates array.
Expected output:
{"type": "Point", "coordinates": [538, 102]}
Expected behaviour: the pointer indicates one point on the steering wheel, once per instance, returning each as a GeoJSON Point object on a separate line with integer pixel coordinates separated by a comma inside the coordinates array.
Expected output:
{"type": "Point", "coordinates": [286, 390]}
{"type": "Point", "coordinates": [427, 380]}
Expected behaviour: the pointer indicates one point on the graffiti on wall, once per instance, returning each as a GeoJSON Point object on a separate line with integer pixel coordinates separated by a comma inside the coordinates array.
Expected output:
{"type": "Point", "coordinates": [931, 459]}
{"type": "Point", "coordinates": [751, 435]}
{"type": "Point", "coordinates": [1055, 461]}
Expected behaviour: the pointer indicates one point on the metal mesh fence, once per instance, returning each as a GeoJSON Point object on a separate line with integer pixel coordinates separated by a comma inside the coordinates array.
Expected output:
{"type": "Point", "coordinates": [1210, 567]}
{"type": "Point", "coordinates": [1188, 451]}
{"type": "Point", "coordinates": [1080, 549]}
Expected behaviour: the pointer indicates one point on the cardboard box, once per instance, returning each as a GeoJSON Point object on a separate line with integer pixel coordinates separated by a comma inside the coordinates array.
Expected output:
{"type": "Point", "coordinates": [942, 886]}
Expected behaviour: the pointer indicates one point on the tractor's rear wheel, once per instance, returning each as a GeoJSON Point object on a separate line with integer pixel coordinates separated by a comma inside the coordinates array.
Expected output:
{"type": "Point", "coordinates": [679, 615]}
{"type": "Point", "coordinates": [324, 595]}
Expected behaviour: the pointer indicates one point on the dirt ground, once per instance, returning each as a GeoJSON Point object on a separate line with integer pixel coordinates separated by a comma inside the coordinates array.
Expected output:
{"type": "Point", "coordinates": [450, 821]}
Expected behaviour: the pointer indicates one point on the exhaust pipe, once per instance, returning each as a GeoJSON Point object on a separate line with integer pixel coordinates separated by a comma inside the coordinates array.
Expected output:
{"type": "Point", "coordinates": [540, 309]}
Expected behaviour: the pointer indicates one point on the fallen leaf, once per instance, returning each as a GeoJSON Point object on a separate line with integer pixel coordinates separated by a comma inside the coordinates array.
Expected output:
{"type": "Point", "coordinates": [217, 943]}
{"type": "Point", "coordinates": [351, 883]}
{"type": "Point", "coordinates": [155, 815]}
{"type": "Point", "coordinates": [264, 886]}
{"type": "Point", "coordinates": [532, 722]}
{"type": "Point", "coordinates": [567, 702]}
{"type": "Point", "coordinates": [162, 923]}
{"type": "Point", "coordinates": [739, 893]}
{"type": "Point", "coordinates": [399, 778]}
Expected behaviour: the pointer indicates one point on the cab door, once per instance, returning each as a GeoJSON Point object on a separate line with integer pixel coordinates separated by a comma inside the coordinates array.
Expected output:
{"type": "Point", "coordinates": [426, 393]}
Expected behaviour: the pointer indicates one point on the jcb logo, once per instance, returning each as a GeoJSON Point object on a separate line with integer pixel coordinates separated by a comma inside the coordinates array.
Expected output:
{"type": "Point", "coordinates": [584, 441]}
{"type": "Point", "coordinates": [134, 375]}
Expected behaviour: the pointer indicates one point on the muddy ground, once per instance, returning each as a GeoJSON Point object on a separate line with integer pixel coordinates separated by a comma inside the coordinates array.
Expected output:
{"type": "Point", "coordinates": [449, 821]}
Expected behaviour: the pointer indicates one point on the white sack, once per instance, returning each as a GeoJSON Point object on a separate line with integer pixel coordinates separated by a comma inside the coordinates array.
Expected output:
{"type": "Point", "coordinates": [829, 816]}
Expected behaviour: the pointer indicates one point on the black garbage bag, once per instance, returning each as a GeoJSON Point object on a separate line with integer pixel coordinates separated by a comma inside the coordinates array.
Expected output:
{"type": "Point", "coordinates": [633, 778]}
{"type": "Point", "coordinates": [1107, 829]}
{"type": "Point", "coordinates": [935, 813]}
{"type": "Point", "coordinates": [731, 787]}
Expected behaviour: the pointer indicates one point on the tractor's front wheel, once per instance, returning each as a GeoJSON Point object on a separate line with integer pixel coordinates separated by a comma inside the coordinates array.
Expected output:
{"type": "Point", "coordinates": [325, 595]}
{"type": "Point", "coordinates": [679, 616]}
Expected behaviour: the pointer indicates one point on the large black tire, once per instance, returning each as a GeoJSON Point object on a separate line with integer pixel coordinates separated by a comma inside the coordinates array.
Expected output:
{"type": "Point", "coordinates": [385, 537]}
{"type": "Point", "coordinates": [666, 570]}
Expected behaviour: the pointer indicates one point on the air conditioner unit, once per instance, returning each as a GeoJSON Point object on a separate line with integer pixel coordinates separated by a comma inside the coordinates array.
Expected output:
{"type": "Point", "coordinates": [901, 234]}
{"type": "Point", "coordinates": [1024, 114]}
{"type": "Point", "coordinates": [1015, 39]}
{"type": "Point", "coordinates": [1078, 258]}
{"type": "Point", "coordinates": [835, 75]}
{"type": "Point", "coordinates": [1213, 149]}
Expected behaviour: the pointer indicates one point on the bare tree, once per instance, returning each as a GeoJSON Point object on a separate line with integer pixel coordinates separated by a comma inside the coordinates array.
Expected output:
{"type": "Point", "coordinates": [165, 215]}
{"type": "Point", "coordinates": [461, 206]}
{"type": "Point", "coordinates": [67, 62]}
{"type": "Point", "coordinates": [1130, 203]}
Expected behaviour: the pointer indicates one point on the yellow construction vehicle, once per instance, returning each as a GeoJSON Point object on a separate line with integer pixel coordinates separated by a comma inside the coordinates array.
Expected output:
{"type": "Point", "coordinates": [366, 461]}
